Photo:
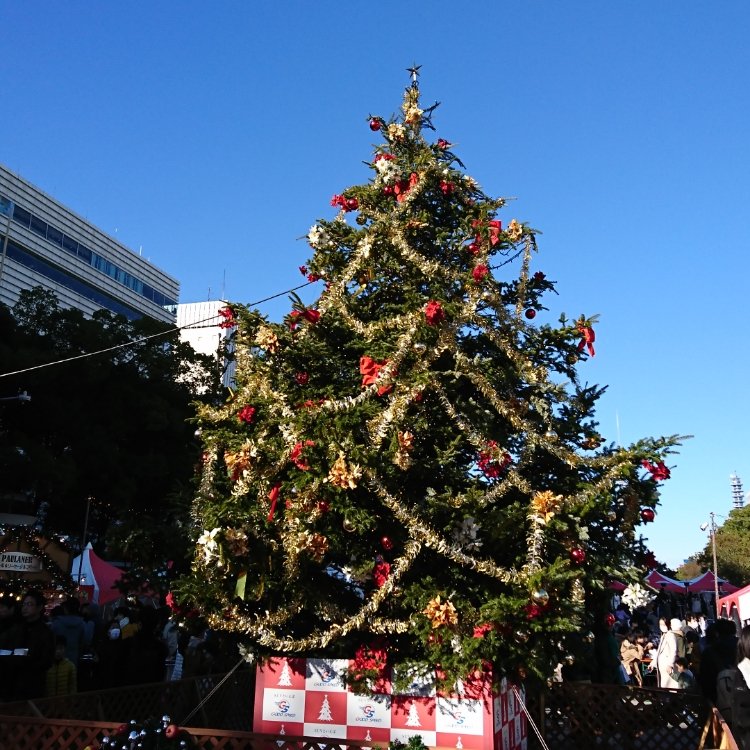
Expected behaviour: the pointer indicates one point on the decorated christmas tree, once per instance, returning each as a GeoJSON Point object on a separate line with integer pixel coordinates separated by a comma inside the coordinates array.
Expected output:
{"type": "Point", "coordinates": [409, 470]}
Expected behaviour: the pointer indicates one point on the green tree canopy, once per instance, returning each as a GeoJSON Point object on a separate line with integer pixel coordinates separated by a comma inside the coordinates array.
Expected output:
{"type": "Point", "coordinates": [115, 428]}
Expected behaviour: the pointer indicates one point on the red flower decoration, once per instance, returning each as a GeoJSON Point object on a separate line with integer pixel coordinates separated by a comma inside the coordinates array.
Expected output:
{"type": "Point", "coordinates": [296, 455]}
{"type": "Point", "coordinates": [481, 630]}
{"type": "Point", "coordinates": [495, 228]}
{"type": "Point", "coordinates": [303, 270]}
{"type": "Point", "coordinates": [369, 369]}
{"type": "Point", "coordinates": [246, 414]}
{"type": "Point", "coordinates": [302, 378]}
{"type": "Point", "coordinates": [313, 277]}
{"type": "Point", "coordinates": [659, 472]}
{"type": "Point", "coordinates": [442, 143]}
{"type": "Point", "coordinates": [381, 572]}
{"type": "Point", "coordinates": [539, 276]}
{"type": "Point", "coordinates": [434, 313]}
{"type": "Point", "coordinates": [491, 462]}
{"type": "Point", "coordinates": [171, 603]}
{"type": "Point", "coordinates": [312, 316]}
{"type": "Point", "coordinates": [370, 658]}
{"type": "Point", "coordinates": [386, 156]}
{"type": "Point", "coordinates": [228, 314]}
{"type": "Point", "coordinates": [446, 187]}
{"type": "Point", "coordinates": [338, 200]}
{"type": "Point", "coordinates": [480, 272]}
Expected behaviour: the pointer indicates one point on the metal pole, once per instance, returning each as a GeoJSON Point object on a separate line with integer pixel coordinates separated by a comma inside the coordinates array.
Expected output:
{"type": "Point", "coordinates": [83, 539]}
{"type": "Point", "coordinates": [716, 567]}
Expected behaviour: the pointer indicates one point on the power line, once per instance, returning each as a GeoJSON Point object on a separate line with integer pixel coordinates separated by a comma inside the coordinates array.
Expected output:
{"type": "Point", "coordinates": [187, 326]}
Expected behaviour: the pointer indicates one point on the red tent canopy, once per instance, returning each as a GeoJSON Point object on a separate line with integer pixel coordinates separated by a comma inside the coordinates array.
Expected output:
{"type": "Point", "coordinates": [703, 583]}
{"type": "Point", "coordinates": [660, 582]}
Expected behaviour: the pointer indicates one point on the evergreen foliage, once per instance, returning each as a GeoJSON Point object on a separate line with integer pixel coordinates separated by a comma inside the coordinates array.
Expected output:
{"type": "Point", "coordinates": [410, 470]}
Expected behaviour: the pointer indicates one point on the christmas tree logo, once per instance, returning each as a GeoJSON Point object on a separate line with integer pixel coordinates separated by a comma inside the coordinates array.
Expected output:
{"type": "Point", "coordinates": [285, 678]}
{"type": "Point", "coordinates": [412, 720]}
{"type": "Point", "coordinates": [325, 710]}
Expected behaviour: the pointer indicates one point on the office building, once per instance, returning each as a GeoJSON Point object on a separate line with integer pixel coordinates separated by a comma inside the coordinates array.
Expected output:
{"type": "Point", "coordinates": [45, 244]}
{"type": "Point", "coordinates": [199, 324]}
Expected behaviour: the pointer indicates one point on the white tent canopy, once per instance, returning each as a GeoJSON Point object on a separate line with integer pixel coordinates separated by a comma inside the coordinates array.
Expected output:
{"type": "Point", "coordinates": [88, 569]}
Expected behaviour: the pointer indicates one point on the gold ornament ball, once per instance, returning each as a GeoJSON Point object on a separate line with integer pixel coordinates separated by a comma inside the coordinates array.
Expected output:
{"type": "Point", "coordinates": [420, 347]}
{"type": "Point", "coordinates": [569, 659]}
{"type": "Point", "coordinates": [361, 219]}
{"type": "Point", "coordinates": [540, 597]}
{"type": "Point", "coordinates": [348, 525]}
{"type": "Point", "coordinates": [589, 637]}
{"type": "Point", "coordinates": [612, 516]}
{"type": "Point", "coordinates": [521, 636]}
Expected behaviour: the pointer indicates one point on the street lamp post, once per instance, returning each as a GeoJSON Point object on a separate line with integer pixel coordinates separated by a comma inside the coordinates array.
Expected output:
{"type": "Point", "coordinates": [711, 527]}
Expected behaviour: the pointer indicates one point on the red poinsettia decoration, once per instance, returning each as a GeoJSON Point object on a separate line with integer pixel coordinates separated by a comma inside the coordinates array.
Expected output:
{"type": "Point", "coordinates": [347, 204]}
{"type": "Point", "coordinates": [659, 472]}
{"type": "Point", "coordinates": [228, 314]}
{"type": "Point", "coordinates": [296, 455]}
{"type": "Point", "coordinates": [481, 630]}
{"type": "Point", "coordinates": [370, 369]}
{"type": "Point", "coordinates": [480, 272]}
{"type": "Point", "coordinates": [308, 314]}
{"type": "Point", "coordinates": [381, 571]}
{"type": "Point", "coordinates": [301, 378]}
{"type": "Point", "coordinates": [434, 313]}
{"type": "Point", "coordinates": [446, 187]}
{"type": "Point", "coordinates": [492, 461]}
{"type": "Point", "coordinates": [443, 144]}
{"type": "Point", "coordinates": [246, 414]}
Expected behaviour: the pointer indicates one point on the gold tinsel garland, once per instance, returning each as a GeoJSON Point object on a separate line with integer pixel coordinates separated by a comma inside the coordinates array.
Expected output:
{"type": "Point", "coordinates": [260, 627]}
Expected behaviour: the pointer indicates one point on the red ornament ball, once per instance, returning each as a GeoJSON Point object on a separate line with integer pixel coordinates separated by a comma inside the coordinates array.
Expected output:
{"type": "Point", "coordinates": [374, 124]}
{"type": "Point", "coordinates": [530, 313]}
{"type": "Point", "coordinates": [324, 506]}
{"type": "Point", "coordinates": [578, 555]}
{"type": "Point", "coordinates": [388, 190]}
{"type": "Point", "coordinates": [648, 515]}
{"type": "Point", "coordinates": [386, 543]}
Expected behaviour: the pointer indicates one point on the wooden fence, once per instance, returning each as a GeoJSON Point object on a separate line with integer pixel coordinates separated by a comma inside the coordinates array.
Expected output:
{"type": "Point", "coordinates": [222, 702]}
{"type": "Point", "coordinates": [569, 717]}
{"type": "Point", "coordinates": [573, 716]}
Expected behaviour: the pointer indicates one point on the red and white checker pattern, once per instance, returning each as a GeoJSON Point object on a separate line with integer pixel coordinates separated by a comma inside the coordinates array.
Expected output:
{"type": "Point", "coordinates": [308, 697]}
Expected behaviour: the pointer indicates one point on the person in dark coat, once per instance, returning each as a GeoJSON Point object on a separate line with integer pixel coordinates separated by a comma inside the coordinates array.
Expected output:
{"type": "Point", "coordinates": [733, 692]}
{"type": "Point", "coordinates": [34, 649]}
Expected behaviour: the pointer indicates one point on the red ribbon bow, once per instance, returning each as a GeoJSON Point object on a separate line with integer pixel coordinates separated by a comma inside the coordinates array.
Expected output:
{"type": "Point", "coordinates": [587, 339]}
{"type": "Point", "coordinates": [273, 496]}
{"type": "Point", "coordinates": [659, 472]}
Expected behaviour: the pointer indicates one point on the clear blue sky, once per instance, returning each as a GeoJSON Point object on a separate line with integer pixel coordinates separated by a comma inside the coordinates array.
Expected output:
{"type": "Point", "coordinates": [213, 135]}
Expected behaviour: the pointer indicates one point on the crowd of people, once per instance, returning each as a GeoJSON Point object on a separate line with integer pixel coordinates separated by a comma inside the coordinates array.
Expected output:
{"type": "Point", "coordinates": [648, 648]}
{"type": "Point", "coordinates": [77, 647]}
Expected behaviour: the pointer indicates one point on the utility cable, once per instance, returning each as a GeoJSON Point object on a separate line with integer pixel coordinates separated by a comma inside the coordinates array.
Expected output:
{"type": "Point", "coordinates": [187, 326]}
